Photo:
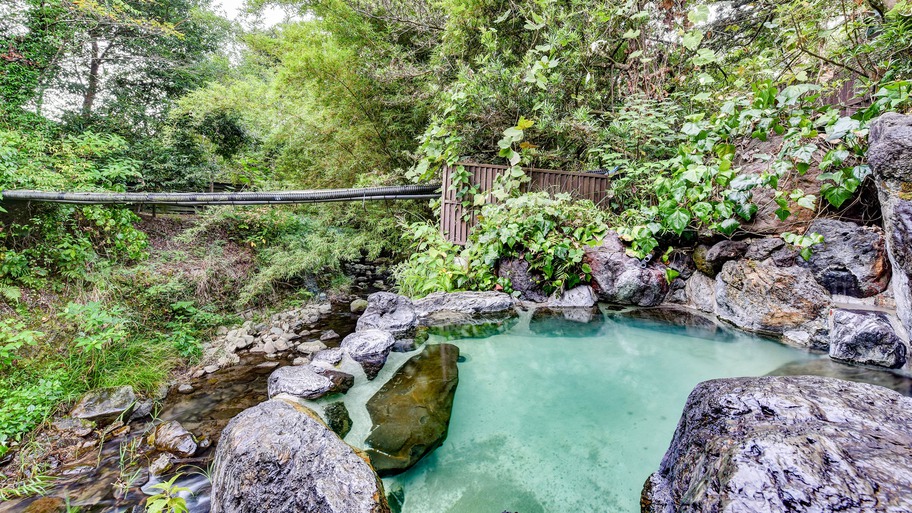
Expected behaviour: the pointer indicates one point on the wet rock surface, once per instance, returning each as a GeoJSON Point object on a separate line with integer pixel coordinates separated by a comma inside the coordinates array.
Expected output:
{"type": "Point", "coordinates": [710, 260]}
{"type": "Point", "coordinates": [389, 312]}
{"type": "Point", "coordinates": [370, 348]}
{"type": "Point", "coordinates": [106, 405]}
{"type": "Point", "coordinates": [866, 337]}
{"type": "Point", "coordinates": [308, 382]}
{"type": "Point", "coordinates": [411, 412]}
{"type": "Point", "coordinates": [337, 418]}
{"type": "Point", "coordinates": [828, 368]}
{"type": "Point", "coordinates": [890, 157]}
{"type": "Point", "coordinates": [852, 259]}
{"type": "Point", "coordinates": [774, 300]}
{"type": "Point", "coordinates": [279, 457]}
{"type": "Point", "coordinates": [624, 280]}
{"type": "Point", "coordinates": [442, 308]}
{"type": "Point", "coordinates": [777, 444]}
{"type": "Point", "coordinates": [172, 437]}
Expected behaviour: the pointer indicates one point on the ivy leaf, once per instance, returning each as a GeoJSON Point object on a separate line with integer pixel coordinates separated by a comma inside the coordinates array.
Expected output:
{"type": "Point", "coordinates": [782, 213]}
{"type": "Point", "coordinates": [678, 221]}
{"type": "Point", "coordinates": [699, 14]}
{"type": "Point", "coordinates": [692, 39]}
{"type": "Point", "coordinates": [835, 194]}
{"type": "Point", "coordinates": [729, 226]}
{"type": "Point", "coordinates": [704, 56]}
{"type": "Point", "coordinates": [808, 202]}
{"type": "Point", "coordinates": [746, 210]}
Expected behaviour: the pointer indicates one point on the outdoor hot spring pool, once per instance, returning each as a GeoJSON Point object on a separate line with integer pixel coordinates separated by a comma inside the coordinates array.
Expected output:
{"type": "Point", "coordinates": [556, 415]}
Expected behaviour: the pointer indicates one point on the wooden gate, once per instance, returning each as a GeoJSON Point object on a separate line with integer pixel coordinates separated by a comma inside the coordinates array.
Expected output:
{"type": "Point", "coordinates": [455, 229]}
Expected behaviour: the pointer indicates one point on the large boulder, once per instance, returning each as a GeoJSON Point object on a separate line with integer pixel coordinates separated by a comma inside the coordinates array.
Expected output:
{"type": "Point", "coordinates": [308, 382]}
{"type": "Point", "coordinates": [866, 337]}
{"type": "Point", "coordinates": [890, 157]}
{"type": "Point", "coordinates": [411, 413]}
{"type": "Point", "coordinates": [388, 312]}
{"type": "Point", "coordinates": [370, 348]}
{"type": "Point", "coordinates": [852, 259]}
{"type": "Point", "coordinates": [521, 279]}
{"type": "Point", "coordinates": [783, 444]}
{"type": "Point", "coordinates": [578, 297]}
{"type": "Point", "coordinates": [621, 279]}
{"type": "Point", "coordinates": [700, 292]}
{"type": "Point", "coordinates": [773, 300]}
{"type": "Point", "coordinates": [709, 261]}
{"type": "Point", "coordinates": [280, 457]}
{"type": "Point", "coordinates": [172, 437]}
{"type": "Point", "coordinates": [105, 405]}
{"type": "Point", "coordinates": [441, 308]}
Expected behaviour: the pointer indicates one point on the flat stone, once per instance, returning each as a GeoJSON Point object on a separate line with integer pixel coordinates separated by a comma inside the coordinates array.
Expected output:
{"type": "Point", "coordinates": [281, 458]}
{"type": "Point", "coordinates": [161, 465]}
{"type": "Point", "coordinates": [787, 444]}
{"type": "Point", "coordinates": [328, 335]}
{"type": "Point", "coordinates": [370, 348]}
{"type": "Point", "coordinates": [304, 381]}
{"type": "Point", "coordinates": [105, 405]}
{"type": "Point", "coordinates": [411, 412]}
{"type": "Point", "coordinates": [331, 356]}
{"type": "Point", "coordinates": [310, 347]}
{"type": "Point", "coordinates": [185, 389]}
{"type": "Point", "coordinates": [70, 426]}
{"type": "Point", "coordinates": [171, 437]}
{"type": "Point", "coordinates": [442, 308]}
{"type": "Point", "coordinates": [388, 312]}
{"type": "Point", "coordinates": [866, 337]}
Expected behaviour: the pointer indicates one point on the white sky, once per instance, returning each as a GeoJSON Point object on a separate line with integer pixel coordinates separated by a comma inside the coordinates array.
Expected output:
{"type": "Point", "coordinates": [233, 10]}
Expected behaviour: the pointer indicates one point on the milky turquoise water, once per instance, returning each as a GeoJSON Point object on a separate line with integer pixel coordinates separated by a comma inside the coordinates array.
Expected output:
{"type": "Point", "coordinates": [560, 417]}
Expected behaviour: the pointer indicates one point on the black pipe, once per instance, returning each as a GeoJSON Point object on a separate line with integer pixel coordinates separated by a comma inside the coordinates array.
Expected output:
{"type": "Point", "coordinates": [402, 192]}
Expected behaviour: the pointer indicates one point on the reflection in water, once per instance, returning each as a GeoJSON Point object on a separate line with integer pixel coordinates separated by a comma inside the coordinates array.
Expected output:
{"type": "Point", "coordinates": [848, 372]}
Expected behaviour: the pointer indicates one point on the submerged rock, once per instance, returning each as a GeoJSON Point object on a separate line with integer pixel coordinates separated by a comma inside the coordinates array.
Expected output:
{"type": "Point", "coordinates": [764, 298]}
{"type": "Point", "coordinates": [171, 437]}
{"type": "Point", "coordinates": [358, 306]}
{"type": "Point", "coordinates": [308, 382]}
{"type": "Point", "coordinates": [279, 457]}
{"type": "Point", "coordinates": [622, 279]}
{"type": "Point", "coordinates": [388, 312]}
{"type": "Point", "coordinates": [337, 418]}
{"type": "Point", "coordinates": [411, 413]}
{"type": "Point", "coordinates": [779, 444]}
{"type": "Point", "coordinates": [442, 308]}
{"type": "Point", "coordinates": [826, 367]}
{"type": "Point", "coordinates": [370, 348]}
{"type": "Point", "coordinates": [852, 259]}
{"type": "Point", "coordinates": [866, 337]}
{"type": "Point", "coordinates": [105, 405]}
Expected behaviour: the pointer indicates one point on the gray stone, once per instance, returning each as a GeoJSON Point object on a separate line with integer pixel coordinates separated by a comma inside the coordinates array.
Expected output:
{"type": "Point", "coordinates": [337, 418]}
{"type": "Point", "coordinates": [767, 299]}
{"type": "Point", "coordinates": [210, 369]}
{"type": "Point", "coordinates": [761, 249]}
{"type": "Point", "coordinates": [890, 157]}
{"type": "Point", "coordinates": [852, 259]}
{"type": "Point", "coordinates": [577, 297]}
{"type": "Point", "coordinates": [442, 308]}
{"type": "Point", "coordinates": [331, 356]}
{"type": "Point", "coordinates": [143, 409]}
{"type": "Point", "coordinates": [358, 306]}
{"type": "Point", "coordinates": [700, 291]}
{"type": "Point", "coordinates": [622, 279]}
{"type": "Point", "coordinates": [389, 312]}
{"type": "Point", "coordinates": [311, 347]}
{"type": "Point", "coordinates": [307, 382]}
{"type": "Point", "coordinates": [281, 458]}
{"type": "Point", "coordinates": [69, 426]}
{"type": "Point", "coordinates": [161, 465]}
{"type": "Point", "coordinates": [173, 438]}
{"type": "Point", "coordinates": [411, 412]}
{"type": "Point", "coordinates": [328, 335]}
{"type": "Point", "coordinates": [105, 405]}
{"type": "Point", "coordinates": [787, 444]}
{"type": "Point", "coordinates": [866, 337]}
{"type": "Point", "coordinates": [522, 280]}
{"type": "Point", "coordinates": [370, 348]}
{"type": "Point", "coordinates": [710, 261]}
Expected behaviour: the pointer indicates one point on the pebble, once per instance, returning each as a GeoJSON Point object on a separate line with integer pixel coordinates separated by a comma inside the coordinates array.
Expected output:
{"type": "Point", "coordinates": [329, 335]}
{"type": "Point", "coordinates": [185, 389]}
{"type": "Point", "coordinates": [210, 369]}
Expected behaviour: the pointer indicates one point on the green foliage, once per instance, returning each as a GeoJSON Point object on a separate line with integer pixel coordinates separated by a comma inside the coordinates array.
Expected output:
{"type": "Point", "coordinates": [804, 242]}
{"type": "Point", "coordinates": [168, 500]}
{"type": "Point", "coordinates": [13, 336]}
{"type": "Point", "coordinates": [548, 233]}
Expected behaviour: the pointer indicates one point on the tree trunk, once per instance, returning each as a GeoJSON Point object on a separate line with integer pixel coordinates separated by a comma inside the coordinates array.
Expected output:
{"type": "Point", "coordinates": [88, 99]}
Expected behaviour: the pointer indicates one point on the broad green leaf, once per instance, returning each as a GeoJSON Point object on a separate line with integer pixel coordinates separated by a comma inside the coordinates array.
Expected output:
{"type": "Point", "coordinates": [678, 221]}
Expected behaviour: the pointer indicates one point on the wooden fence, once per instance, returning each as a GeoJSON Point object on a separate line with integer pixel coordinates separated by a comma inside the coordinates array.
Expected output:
{"type": "Point", "coordinates": [456, 229]}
